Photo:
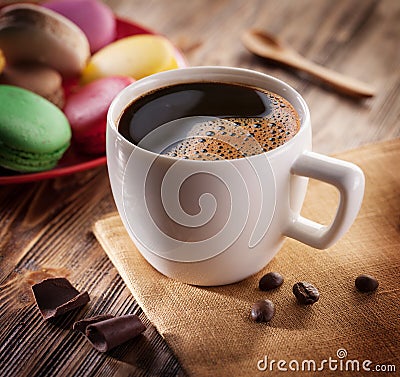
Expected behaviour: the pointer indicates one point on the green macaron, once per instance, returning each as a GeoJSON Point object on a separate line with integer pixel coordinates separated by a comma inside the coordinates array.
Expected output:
{"type": "Point", "coordinates": [34, 133]}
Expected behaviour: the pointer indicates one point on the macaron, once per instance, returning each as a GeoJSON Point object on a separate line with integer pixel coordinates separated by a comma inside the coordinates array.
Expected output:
{"type": "Point", "coordinates": [34, 133]}
{"type": "Point", "coordinates": [2, 61]}
{"type": "Point", "coordinates": [136, 56]}
{"type": "Point", "coordinates": [32, 33]}
{"type": "Point", "coordinates": [37, 78]}
{"type": "Point", "coordinates": [87, 109]}
{"type": "Point", "coordinates": [95, 19]}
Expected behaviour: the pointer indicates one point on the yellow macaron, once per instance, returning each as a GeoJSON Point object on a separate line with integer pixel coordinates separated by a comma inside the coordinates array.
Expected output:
{"type": "Point", "coordinates": [136, 56]}
{"type": "Point", "coordinates": [2, 61]}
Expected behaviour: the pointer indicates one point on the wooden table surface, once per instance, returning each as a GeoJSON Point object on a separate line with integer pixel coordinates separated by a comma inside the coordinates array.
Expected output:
{"type": "Point", "coordinates": [45, 227]}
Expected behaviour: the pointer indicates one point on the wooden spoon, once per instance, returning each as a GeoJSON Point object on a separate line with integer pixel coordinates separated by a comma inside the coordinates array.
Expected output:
{"type": "Point", "coordinates": [267, 46]}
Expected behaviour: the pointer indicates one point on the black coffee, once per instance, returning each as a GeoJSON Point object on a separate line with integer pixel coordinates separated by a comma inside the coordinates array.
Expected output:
{"type": "Point", "coordinates": [209, 121]}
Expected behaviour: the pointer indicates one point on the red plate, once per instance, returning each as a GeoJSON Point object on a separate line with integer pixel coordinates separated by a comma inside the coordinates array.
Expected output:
{"type": "Point", "coordinates": [73, 161]}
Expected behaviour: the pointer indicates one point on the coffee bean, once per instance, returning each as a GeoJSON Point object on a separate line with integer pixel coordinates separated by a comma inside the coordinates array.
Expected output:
{"type": "Point", "coordinates": [366, 283]}
{"type": "Point", "coordinates": [269, 281]}
{"type": "Point", "coordinates": [305, 293]}
{"type": "Point", "coordinates": [262, 311]}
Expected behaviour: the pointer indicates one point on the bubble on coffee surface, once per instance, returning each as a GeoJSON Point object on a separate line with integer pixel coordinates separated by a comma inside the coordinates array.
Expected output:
{"type": "Point", "coordinates": [234, 137]}
{"type": "Point", "coordinates": [217, 139]}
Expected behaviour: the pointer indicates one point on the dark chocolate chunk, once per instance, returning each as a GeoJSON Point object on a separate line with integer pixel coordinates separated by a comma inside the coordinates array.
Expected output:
{"type": "Point", "coordinates": [366, 283]}
{"type": "Point", "coordinates": [262, 311]}
{"type": "Point", "coordinates": [305, 293]}
{"type": "Point", "coordinates": [109, 333]}
{"type": "Point", "coordinates": [57, 296]}
{"type": "Point", "coordinates": [269, 281]}
{"type": "Point", "coordinates": [83, 323]}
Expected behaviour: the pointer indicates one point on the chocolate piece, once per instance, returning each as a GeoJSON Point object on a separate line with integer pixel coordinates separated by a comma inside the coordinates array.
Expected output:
{"type": "Point", "coordinates": [366, 283]}
{"type": "Point", "coordinates": [83, 323]}
{"type": "Point", "coordinates": [107, 334]}
{"type": "Point", "coordinates": [305, 293]}
{"type": "Point", "coordinates": [262, 311]}
{"type": "Point", "coordinates": [56, 296]}
{"type": "Point", "coordinates": [271, 280]}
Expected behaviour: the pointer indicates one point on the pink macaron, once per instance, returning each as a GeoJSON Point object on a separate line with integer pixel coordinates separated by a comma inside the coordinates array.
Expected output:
{"type": "Point", "coordinates": [95, 19]}
{"type": "Point", "coordinates": [86, 110]}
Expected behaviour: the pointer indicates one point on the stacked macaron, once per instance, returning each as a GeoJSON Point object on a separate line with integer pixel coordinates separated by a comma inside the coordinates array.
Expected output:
{"type": "Point", "coordinates": [34, 133]}
{"type": "Point", "coordinates": [93, 17]}
{"type": "Point", "coordinates": [87, 111]}
{"type": "Point", "coordinates": [43, 49]}
{"type": "Point", "coordinates": [36, 41]}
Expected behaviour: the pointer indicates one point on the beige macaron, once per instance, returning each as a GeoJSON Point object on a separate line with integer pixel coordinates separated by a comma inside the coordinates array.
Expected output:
{"type": "Point", "coordinates": [37, 78]}
{"type": "Point", "coordinates": [32, 33]}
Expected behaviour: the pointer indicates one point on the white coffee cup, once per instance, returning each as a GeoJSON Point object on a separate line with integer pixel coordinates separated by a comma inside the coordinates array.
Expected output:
{"type": "Point", "coordinates": [218, 222]}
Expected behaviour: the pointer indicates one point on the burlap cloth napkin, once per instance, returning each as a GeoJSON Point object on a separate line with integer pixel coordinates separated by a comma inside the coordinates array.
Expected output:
{"type": "Point", "coordinates": [210, 330]}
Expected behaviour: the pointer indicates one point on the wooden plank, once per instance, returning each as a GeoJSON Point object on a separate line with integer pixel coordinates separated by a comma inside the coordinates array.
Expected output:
{"type": "Point", "coordinates": [57, 239]}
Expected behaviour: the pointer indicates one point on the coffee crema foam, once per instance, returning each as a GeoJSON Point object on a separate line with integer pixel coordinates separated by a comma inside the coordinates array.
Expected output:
{"type": "Point", "coordinates": [232, 137]}
{"type": "Point", "coordinates": [209, 121]}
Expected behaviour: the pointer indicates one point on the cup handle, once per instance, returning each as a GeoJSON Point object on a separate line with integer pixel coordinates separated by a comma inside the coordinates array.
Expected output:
{"type": "Point", "coordinates": [348, 179]}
